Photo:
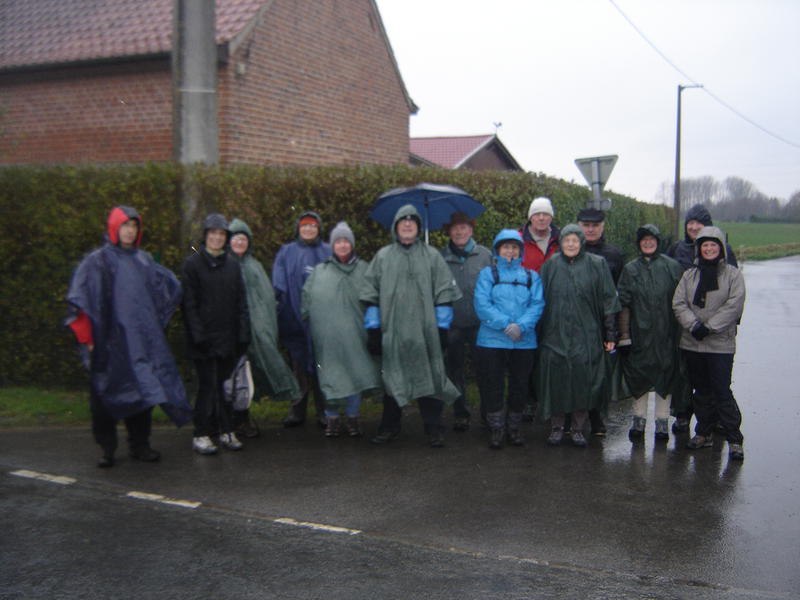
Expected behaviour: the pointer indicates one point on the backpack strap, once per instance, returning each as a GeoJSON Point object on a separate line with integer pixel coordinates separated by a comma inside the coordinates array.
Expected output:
{"type": "Point", "coordinates": [496, 277]}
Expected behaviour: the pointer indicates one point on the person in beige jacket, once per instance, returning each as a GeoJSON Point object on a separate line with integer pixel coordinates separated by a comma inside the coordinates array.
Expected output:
{"type": "Point", "coordinates": [708, 304]}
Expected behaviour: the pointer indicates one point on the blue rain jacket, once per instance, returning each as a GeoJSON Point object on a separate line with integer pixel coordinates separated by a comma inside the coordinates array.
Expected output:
{"type": "Point", "coordinates": [510, 300]}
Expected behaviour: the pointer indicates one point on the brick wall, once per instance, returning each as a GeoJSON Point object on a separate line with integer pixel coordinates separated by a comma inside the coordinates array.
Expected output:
{"type": "Point", "coordinates": [313, 84]}
{"type": "Point", "coordinates": [111, 113]}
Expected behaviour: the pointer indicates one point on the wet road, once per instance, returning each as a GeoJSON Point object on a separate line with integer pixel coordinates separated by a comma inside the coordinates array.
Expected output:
{"type": "Point", "coordinates": [611, 521]}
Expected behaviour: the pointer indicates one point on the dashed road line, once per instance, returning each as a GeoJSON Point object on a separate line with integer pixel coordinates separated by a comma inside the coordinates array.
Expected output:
{"type": "Point", "coordinates": [316, 526]}
{"type": "Point", "coordinates": [163, 499]}
{"type": "Point", "coordinates": [60, 479]}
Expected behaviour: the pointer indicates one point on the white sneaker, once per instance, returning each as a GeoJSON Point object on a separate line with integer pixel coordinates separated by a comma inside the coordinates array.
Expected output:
{"type": "Point", "coordinates": [230, 441]}
{"type": "Point", "coordinates": [203, 445]}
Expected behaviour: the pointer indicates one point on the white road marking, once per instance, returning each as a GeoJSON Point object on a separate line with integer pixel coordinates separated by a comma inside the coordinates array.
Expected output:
{"type": "Point", "coordinates": [60, 479]}
{"type": "Point", "coordinates": [317, 526]}
{"type": "Point", "coordinates": [163, 500]}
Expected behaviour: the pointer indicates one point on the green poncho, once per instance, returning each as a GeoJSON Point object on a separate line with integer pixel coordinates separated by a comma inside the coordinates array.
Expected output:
{"type": "Point", "coordinates": [646, 287]}
{"type": "Point", "coordinates": [571, 372]}
{"type": "Point", "coordinates": [271, 374]}
{"type": "Point", "coordinates": [330, 304]}
{"type": "Point", "coordinates": [406, 283]}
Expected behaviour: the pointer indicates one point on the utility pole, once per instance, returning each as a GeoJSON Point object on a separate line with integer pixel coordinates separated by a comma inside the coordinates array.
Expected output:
{"type": "Point", "coordinates": [194, 98]}
{"type": "Point", "coordinates": [677, 187]}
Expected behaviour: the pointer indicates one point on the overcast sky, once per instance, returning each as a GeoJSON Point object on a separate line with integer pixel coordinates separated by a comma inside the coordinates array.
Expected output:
{"type": "Point", "coordinates": [572, 78]}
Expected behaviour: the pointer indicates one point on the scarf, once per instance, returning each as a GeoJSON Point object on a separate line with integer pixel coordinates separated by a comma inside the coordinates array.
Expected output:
{"type": "Point", "coordinates": [462, 253]}
{"type": "Point", "coordinates": [708, 280]}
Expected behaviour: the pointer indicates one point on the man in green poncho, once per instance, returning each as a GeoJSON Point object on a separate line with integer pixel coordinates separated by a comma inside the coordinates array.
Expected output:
{"type": "Point", "coordinates": [577, 328]}
{"type": "Point", "coordinates": [649, 332]}
{"type": "Point", "coordinates": [409, 291]}
{"type": "Point", "coordinates": [271, 374]}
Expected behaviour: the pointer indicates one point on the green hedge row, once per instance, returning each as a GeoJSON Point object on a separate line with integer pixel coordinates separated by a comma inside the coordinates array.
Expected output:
{"type": "Point", "coordinates": [51, 216]}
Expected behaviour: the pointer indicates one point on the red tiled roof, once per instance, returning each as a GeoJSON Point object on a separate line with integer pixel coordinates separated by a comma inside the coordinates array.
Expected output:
{"type": "Point", "coordinates": [34, 32]}
{"type": "Point", "coordinates": [449, 152]}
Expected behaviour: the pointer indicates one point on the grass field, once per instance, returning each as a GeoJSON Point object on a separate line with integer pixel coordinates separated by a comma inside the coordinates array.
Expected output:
{"type": "Point", "coordinates": [761, 234]}
{"type": "Point", "coordinates": [762, 241]}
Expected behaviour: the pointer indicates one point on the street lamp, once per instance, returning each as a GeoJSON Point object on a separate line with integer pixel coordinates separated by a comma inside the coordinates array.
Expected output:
{"type": "Point", "coordinates": [677, 188]}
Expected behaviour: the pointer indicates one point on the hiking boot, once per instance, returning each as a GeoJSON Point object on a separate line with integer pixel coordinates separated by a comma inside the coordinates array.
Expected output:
{"type": "Point", "coordinates": [436, 439]}
{"type": "Point", "coordinates": [248, 429]}
{"type": "Point", "coordinates": [204, 445]}
{"type": "Point", "coordinates": [230, 441]}
{"type": "Point", "coordinates": [528, 413]}
{"type": "Point", "coordinates": [556, 435]}
{"type": "Point", "coordinates": [145, 454]}
{"type": "Point", "coordinates": [106, 461]}
{"type": "Point", "coordinates": [681, 425]}
{"type": "Point", "coordinates": [461, 424]}
{"type": "Point", "coordinates": [700, 441]}
{"type": "Point", "coordinates": [662, 429]}
{"type": "Point", "coordinates": [578, 439]}
{"type": "Point", "coordinates": [515, 437]}
{"type": "Point", "coordinates": [636, 432]}
{"type": "Point", "coordinates": [735, 452]}
{"type": "Point", "coordinates": [384, 437]}
{"type": "Point", "coordinates": [332, 427]}
{"type": "Point", "coordinates": [353, 427]}
{"type": "Point", "coordinates": [596, 420]}
{"type": "Point", "coordinates": [497, 439]}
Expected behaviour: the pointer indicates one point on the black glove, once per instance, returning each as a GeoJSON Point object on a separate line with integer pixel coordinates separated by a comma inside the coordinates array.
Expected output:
{"type": "Point", "coordinates": [610, 326]}
{"type": "Point", "coordinates": [375, 341]}
{"type": "Point", "coordinates": [443, 339]}
{"type": "Point", "coordinates": [700, 331]}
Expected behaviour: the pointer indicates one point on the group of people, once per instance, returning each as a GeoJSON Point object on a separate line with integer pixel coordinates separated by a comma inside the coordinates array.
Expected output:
{"type": "Point", "coordinates": [550, 318]}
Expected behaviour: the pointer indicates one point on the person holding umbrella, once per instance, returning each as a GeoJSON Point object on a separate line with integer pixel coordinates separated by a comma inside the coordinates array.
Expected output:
{"type": "Point", "coordinates": [409, 292]}
{"type": "Point", "coordinates": [466, 258]}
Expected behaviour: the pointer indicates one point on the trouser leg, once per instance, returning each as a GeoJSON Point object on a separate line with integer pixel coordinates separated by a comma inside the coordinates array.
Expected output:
{"type": "Point", "coordinates": [431, 411]}
{"type": "Point", "coordinates": [720, 367]}
{"type": "Point", "coordinates": [579, 418]}
{"type": "Point", "coordinates": [460, 343]}
{"type": "Point", "coordinates": [352, 406]}
{"type": "Point", "coordinates": [639, 407]}
{"type": "Point", "coordinates": [702, 393]}
{"type": "Point", "coordinates": [520, 363]}
{"type": "Point", "coordinates": [104, 426]}
{"type": "Point", "coordinates": [662, 406]}
{"type": "Point", "coordinates": [491, 370]}
{"type": "Point", "coordinates": [391, 419]}
{"type": "Point", "coordinates": [212, 414]}
{"type": "Point", "coordinates": [139, 427]}
{"type": "Point", "coordinates": [299, 406]}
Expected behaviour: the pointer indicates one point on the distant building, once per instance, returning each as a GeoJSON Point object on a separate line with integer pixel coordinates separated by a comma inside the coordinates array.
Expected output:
{"type": "Point", "coordinates": [300, 82]}
{"type": "Point", "coordinates": [475, 152]}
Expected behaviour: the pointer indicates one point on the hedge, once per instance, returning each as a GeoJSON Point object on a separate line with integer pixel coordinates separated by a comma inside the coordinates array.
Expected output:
{"type": "Point", "coordinates": [51, 216]}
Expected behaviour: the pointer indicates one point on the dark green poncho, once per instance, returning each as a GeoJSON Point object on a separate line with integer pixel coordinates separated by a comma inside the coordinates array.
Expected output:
{"type": "Point", "coordinates": [271, 374]}
{"type": "Point", "coordinates": [646, 288]}
{"type": "Point", "coordinates": [578, 293]}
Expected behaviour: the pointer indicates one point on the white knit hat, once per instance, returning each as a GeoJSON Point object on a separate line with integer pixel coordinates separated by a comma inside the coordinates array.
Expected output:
{"type": "Point", "coordinates": [541, 205]}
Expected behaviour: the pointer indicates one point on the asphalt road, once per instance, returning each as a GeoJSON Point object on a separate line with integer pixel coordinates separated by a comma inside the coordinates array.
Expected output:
{"type": "Point", "coordinates": [298, 516]}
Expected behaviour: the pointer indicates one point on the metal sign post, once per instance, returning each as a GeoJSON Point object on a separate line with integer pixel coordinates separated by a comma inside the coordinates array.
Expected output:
{"type": "Point", "coordinates": [596, 170]}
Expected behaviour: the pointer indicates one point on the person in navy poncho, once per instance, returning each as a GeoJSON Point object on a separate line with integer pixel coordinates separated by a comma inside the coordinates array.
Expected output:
{"type": "Point", "coordinates": [293, 264]}
{"type": "Point", "coordinates": [120, 302]}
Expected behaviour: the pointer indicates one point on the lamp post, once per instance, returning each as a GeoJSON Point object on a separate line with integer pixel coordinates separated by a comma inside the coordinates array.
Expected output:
{"type": "Point", "coordinates": [677, 187]}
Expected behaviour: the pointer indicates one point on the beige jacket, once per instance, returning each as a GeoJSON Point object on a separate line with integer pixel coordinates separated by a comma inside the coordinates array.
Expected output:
{"type": "Point", "coordinates": [723, 309]}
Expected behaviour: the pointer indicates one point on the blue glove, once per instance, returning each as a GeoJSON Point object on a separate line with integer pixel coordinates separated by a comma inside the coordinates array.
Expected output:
{"type": "Point", "coordinates": [444, 316]}
{"type": "Point", "coordinates": [372, 317]}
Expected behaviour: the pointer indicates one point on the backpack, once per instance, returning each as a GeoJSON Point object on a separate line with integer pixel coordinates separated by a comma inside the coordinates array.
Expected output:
{"type": "Point", "coordinates": [496, 277]}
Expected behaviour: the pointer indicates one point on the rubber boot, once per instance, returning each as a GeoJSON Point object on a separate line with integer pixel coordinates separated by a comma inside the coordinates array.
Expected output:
{"type": "Point", "coordinates": [636, 431]}
{"type": "Point", "coordinates": [497, 427]}
{"type": "Point", "coordinates": [662, 429]}
{"type": "Point", "coordinates": [514, 422]}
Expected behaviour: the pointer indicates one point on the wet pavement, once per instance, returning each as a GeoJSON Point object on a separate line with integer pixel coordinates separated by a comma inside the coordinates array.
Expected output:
{"type": "Point", "coordinates": [611, 521]}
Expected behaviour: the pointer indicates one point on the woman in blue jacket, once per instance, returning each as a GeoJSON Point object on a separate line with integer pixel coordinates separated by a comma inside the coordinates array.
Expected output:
{"type": "Point", "coordinates": [508, 302]}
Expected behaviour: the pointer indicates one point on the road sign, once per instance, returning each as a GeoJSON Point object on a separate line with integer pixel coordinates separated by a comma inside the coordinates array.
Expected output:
{"type": "Point", "coordinates": [596, 170]}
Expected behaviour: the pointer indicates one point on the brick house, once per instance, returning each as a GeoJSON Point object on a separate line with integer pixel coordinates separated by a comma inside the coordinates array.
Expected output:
{"type": "Point", "coordinates": [475, 152]}
{"type": "Point", "coordinates": [300, 82]}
